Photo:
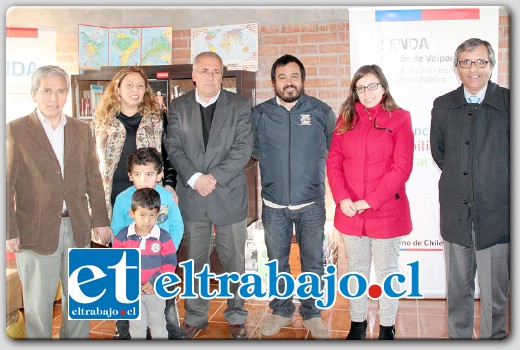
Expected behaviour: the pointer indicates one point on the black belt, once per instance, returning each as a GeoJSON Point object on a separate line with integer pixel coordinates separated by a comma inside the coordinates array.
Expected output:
{"type": "Point", "coordinates": [65, 213]}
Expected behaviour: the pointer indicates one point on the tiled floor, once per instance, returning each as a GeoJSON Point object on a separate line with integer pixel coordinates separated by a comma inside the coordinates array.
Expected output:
{"type": "Point", "coordinates": [416, 319]}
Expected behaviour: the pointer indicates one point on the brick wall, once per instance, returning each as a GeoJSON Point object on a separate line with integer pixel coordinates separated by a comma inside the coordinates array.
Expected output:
{"type": "Point", "coordinates": [504, 78]}
{"type": "Point", "coordinates": [323, 48]}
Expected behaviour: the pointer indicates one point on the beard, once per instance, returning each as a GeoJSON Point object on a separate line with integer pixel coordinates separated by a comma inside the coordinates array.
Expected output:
{"type": "Point", "coordinates": [289, 97]}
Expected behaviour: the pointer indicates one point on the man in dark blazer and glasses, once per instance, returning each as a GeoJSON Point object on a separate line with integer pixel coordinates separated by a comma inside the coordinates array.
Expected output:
{"type": "Point", "coordinates": [469, 139]}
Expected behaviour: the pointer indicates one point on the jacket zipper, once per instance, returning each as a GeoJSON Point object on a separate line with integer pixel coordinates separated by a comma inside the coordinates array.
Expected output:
{"type": "Point", "coordinates": [289, 158]}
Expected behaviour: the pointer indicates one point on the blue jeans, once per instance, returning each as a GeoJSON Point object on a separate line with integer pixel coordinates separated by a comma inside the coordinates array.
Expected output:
{"type": "Point", "coordinates": [309, 225]}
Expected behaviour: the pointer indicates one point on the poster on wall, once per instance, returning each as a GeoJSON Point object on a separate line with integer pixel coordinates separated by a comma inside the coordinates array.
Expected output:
{"type": "Point", "coordinates": [92, 47]}
{"type": "Point", "coordinates": [156, 47]}
{"type": "Point", "coordinates": [26, 49]}
{"type": "Point", "coordinates": [124, 46]}
{"type": "Point", "coordinates": [414, 46]}
{"type": "Point", "coordinates": [237, 45]}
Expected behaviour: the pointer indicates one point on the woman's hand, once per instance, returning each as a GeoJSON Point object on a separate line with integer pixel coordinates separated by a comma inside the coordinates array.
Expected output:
{"type": "Point", "coordinates": [347, 207]}
{"type": "Point", "coordinates": [361, 205]}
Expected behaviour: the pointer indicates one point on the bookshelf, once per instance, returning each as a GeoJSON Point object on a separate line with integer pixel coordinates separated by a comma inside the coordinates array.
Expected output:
{"type": "Point", "coordinates": [176, 80]}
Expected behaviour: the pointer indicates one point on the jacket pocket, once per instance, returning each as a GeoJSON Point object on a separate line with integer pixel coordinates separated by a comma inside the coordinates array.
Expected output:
{"type": "Point", "coordinates": [237, 181]}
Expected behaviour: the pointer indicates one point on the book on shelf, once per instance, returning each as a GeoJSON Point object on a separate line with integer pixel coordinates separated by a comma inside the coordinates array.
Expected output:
{"type": "Point", "coordinates": [96, 91]}
{"type": "Point", "coordinates": [85, 110]}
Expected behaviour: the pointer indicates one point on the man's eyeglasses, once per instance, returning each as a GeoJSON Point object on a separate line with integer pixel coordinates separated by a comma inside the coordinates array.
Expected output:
{"type": "Point", "coordinates": [370, 87]}
{"type": "Point", "coordinates": [207, 72]}
{"type": "Point", "coordinates": [478, 63]}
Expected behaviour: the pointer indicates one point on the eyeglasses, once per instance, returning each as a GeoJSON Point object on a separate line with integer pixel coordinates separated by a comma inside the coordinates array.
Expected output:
{"type": "Point", "coordinates": [370, 87]}
{"type": "Point", "coordinates": [207, 72]}
{"type": "Point", "coordinates": [478, 63]}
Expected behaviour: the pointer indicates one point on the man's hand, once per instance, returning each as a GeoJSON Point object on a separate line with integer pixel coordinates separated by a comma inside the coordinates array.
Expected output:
{"type": "Point", "coordinates": [12, 245]}
{"type": "Point", "coordinates": [205, 184]}
{"type": "Point", "coordinates": [103, 234]}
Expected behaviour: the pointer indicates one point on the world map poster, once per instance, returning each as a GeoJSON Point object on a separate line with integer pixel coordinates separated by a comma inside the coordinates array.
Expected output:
{"type": "Point", "coordinates": [156, 46]}
{"type": "Point", "coordinates": [237, 45]}
{"type": "Point", "coordinates": [93, 47]}
{"type": "Point", "coordinates": [123, 46]}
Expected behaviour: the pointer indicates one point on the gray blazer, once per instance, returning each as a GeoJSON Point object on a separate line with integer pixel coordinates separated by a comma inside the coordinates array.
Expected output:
{"type": "Point", "coordinates": [229, 148]}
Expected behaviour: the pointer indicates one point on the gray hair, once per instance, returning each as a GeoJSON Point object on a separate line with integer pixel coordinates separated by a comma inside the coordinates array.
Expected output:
{"type": "Point", "coordinates": [470, 45]}
{"type": "Point", "coordinates": [207, 54]}
{"type": "Point", "coordinates": [48, 71]}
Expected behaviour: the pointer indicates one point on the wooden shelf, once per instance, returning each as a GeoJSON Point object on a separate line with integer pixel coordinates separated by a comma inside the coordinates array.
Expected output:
{"type": "Point", "coordinates": [178, 81]}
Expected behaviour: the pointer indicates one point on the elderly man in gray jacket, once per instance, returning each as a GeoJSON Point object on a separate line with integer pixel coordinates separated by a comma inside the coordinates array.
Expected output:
{"type": "Point", "coordinates": [470, 144]}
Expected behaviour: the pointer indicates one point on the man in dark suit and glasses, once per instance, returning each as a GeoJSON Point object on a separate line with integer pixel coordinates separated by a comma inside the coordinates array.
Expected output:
{"type": "Point", "coordinates": [469, 140]}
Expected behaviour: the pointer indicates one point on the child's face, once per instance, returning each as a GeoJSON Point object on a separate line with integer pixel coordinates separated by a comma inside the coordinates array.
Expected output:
{"type": "Point", "coordinates": [145, 176]}
{"type": "Point", "coordinates": [145, 219]}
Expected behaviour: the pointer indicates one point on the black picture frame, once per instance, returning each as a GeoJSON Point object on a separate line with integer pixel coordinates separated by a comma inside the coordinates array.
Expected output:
{"type": "Point", "coordinates": [162, 86]}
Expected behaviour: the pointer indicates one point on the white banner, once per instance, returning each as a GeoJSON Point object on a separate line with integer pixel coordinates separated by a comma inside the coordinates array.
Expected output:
{"type": "Point", "coordinates": [414, 46]}
{"type": "Point", "coordinates": [26, 49]}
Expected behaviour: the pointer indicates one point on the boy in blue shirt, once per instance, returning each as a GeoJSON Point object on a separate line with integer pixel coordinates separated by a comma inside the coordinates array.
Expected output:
{"type": "Point", "coordinates": [145, 170]}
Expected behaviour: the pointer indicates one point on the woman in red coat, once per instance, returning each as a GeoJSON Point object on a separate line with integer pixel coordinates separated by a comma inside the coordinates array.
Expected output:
{"type": "Point", "coordinates": [369, 162]}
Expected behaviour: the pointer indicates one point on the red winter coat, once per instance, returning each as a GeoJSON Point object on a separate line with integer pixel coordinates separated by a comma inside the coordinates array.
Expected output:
{"type": "Point", "coordinates": [373, 163]}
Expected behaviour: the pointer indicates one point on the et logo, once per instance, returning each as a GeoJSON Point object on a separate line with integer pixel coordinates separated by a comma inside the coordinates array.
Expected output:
{"type": "Point", "coordinates": [104, 284]}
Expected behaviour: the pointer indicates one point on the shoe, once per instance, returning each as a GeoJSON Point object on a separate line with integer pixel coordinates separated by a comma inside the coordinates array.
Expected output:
{"type": "Point", "coordinates": [317, 328]}
{"type": "Point", "coordinates": [122, 330]}
{"type": "Point", "coordinates": [190, 331]}
{"type": "Point", "coordinates": [273, 324]}
{"type": "Point", "coordinates": [358, 330]}
{"type": "Point", "coordinates": [175, 332]}
{"type": "Point", "coordinates": [386, 332]}
{"type": "Point", "coordinates": [118, 337]}
{"type": "Point", "coordinates": [238, 331]}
